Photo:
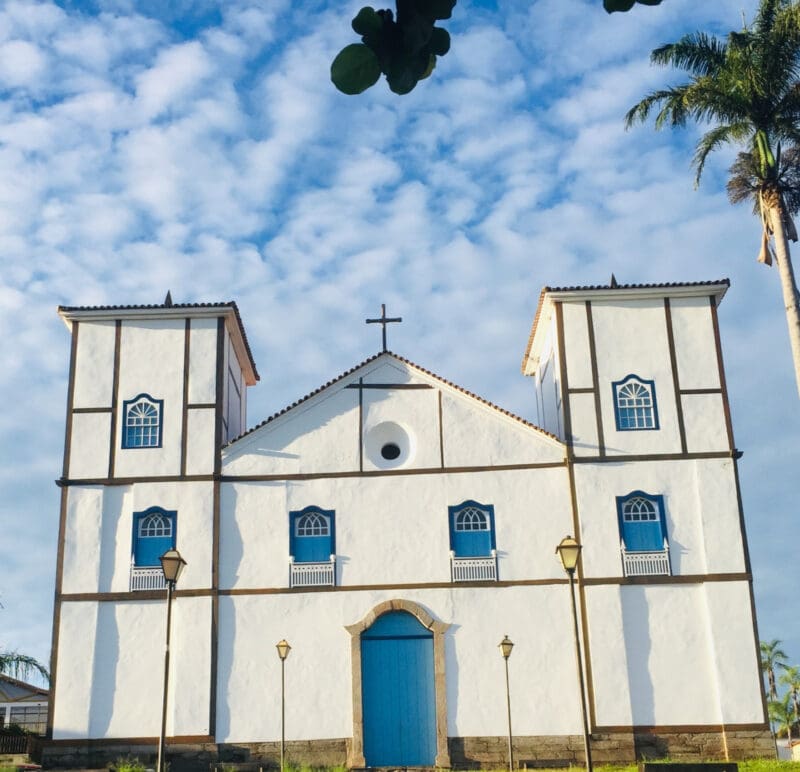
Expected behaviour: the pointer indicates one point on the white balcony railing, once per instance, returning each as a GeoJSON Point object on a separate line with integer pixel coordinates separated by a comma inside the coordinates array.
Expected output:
{"type": "Point", "coordinates": [147, 578]}
{"type": "Point", "coordinates": [651, 563]}
{"type": "Point", "coordinates": [312, 574]}
{"type": "Point", "coordinates": [473, 569]}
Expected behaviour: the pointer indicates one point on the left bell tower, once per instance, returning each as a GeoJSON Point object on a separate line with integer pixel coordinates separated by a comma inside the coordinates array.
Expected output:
{"type": "Point", "coordinates": [154, 391]}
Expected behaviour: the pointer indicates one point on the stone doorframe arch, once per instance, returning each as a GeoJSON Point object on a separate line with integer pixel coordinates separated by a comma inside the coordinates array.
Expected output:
{"type": "Point", "coordinates": [355, 756]}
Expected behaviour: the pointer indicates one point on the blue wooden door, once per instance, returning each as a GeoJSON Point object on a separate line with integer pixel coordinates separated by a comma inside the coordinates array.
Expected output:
{"type": "Point", "coordinates": [398, 695]}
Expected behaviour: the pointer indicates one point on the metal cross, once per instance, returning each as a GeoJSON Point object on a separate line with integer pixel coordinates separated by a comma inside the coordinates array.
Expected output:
{"type": "Point", "coordinates": [383, 321]}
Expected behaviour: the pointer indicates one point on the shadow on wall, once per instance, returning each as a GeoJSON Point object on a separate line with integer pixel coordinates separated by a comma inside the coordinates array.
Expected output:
{"type": "Point", "coordinates": [104, 676]}
{"type": "Point", "coordinates": [638, 649]}
{"type": "Point", "coordinates": [110, 532]}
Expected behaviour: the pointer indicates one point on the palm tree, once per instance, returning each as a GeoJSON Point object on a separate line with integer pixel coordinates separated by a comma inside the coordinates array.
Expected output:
{"type": "Point", "coordinates": [782, 716]}
{"type": "Point", "coordinates": [791, 678]}
{"type": "Point", "coordinates": [772, 656]}
{"type": "Point", "coordinates": [21, 666]}
{"type": "Point", "coordinates": [748, 87]}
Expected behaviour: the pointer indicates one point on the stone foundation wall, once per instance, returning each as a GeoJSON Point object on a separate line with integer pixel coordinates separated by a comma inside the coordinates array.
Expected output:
{"type": "Point", "coordinates": [740, 744]}
{"type": "Point", "coordinates": [465, 752]}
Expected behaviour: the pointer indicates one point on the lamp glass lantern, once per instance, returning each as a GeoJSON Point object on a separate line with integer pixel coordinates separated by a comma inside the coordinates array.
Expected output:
{"type": "Point", "coordinates": [172, 565]}
{"type": "Point", "coordinates": [283, 648]}
{"type": "Point", "coordinates": [569, 551]}
{"type": "Point", "coordinates": [505, 646]}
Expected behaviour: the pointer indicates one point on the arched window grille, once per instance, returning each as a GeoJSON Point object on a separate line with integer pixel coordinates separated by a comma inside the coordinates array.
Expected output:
{"type": "Point", "coordinates": [142, 422]}
{"type": "Point", "coordinates": [635, 404]}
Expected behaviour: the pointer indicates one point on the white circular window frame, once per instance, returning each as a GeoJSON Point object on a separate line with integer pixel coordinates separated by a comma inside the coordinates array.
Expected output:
{"type": "Point", "coordinates": [384, 433]}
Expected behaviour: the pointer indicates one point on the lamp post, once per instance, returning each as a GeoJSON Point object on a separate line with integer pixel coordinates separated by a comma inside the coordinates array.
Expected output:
{"type": "Point", "coordinates": [283, 648]}
{"type": "Point", "coordinates": [569, 551]}
{"type": "Point", "coordinates": [505, 647]}
{"type": "Point", "coordinates": [171, 564]}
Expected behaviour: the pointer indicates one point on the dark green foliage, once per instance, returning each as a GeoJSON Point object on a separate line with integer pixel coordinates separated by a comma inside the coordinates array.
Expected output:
{"type": "Point", "coordinates": [404, 48]}
{"type": "Point", "coordinates": [626, 5]}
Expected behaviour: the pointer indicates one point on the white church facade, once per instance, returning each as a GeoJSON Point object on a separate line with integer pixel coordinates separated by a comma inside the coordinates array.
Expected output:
{"type": "Point", "coordinates": [393, 527]}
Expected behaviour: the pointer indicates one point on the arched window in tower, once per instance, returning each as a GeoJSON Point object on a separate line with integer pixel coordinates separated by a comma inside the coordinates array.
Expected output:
{"type": "Point", "coordinates": [312, 545]}
{"type": "Point", "coordinates": [643, 534]}
{"type": "Point", "coordinates": [142, 422]}
{"type": "Point", "coordinates": [472, 542]}
{"type": "Point", "coordinates": [153, 535]}
{"type": "Point", "coordinates": [635, 404]}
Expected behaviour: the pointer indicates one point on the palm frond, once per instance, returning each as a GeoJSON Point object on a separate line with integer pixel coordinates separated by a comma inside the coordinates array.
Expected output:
{"type": "Point", "coordinates": [21, 666]}
{"type": "Point", "coordinates": [710, 141]}
{"type": "Point", "coordinates": [697, 53]}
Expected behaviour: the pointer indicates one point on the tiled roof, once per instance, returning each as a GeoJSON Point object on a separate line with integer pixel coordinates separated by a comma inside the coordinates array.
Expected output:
{"type": "Point", "coordinates": [16, 690]}
{"type": "Point", "coordinates": [662, 285]}
{"type": "Point", "coordinates": [179, 306]}
{"type": "Point", "coordinates": [411, 364]}
{"type": "Point", "coordinates": [607, 287]}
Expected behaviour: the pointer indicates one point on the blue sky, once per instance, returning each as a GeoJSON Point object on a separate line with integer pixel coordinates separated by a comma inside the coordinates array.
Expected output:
{"type": "Point", "coordinates": [206, 152]}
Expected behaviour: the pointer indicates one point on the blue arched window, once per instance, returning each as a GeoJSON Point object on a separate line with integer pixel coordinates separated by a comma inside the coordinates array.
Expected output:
{"type": "Point", "coordinates": [471, 529]}
{"type": "Point", "coordinates": [142, 419]}
{"type": "Point", "coordinates": [153, 535]}
{"type": "Point", "coordinates": [635, 404]}
{"type": "Point", "coordinates": [642, 524]}
{"type": "Point", "coordinates": [312, 535]}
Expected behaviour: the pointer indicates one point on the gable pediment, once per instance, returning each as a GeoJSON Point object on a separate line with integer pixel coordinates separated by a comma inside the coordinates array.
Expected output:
{"type": "Point", "coordinates": [385, 415]}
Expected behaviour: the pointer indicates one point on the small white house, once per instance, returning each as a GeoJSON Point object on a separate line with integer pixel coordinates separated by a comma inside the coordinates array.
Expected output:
{"type": "Point", "coordinates": [393, 527]}
{"type": "Point", "coordinates": [22, 705]}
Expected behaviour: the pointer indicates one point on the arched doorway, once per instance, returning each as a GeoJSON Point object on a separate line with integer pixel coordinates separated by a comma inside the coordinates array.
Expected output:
{"type": "Point", "coordinates": [397, 692]}
{"type": "Point", "coordinates": [399, 700]}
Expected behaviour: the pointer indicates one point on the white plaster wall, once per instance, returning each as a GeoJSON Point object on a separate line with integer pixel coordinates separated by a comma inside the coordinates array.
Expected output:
{"type": "Point", "coordinates": [77, 630]}
{"type": "Point", "coordinates": [584, 424]}
{"type": "Point", "coordinates": [576, 345]}
{"type": "Point", "coordinates": [598, 485]}
{"type": "Point", "coordinates": [128, 668]}
{"type": "Point", "coordinates": [256, 515]}
{"type": "Point", "coordinates": [288, 445]}
{"type": "Point", "coordinates": [667, 647]}
{"type": "Point", "coordinates": [474, 435]}
{"type": "Point", "coordinates": [97, 548]}
{"type": "Point", "coordinates": [715, 484]}
{"type": "Point", "coordinates": [735, 652]}
{"type": "Point", "coordinates": [99, 533]}
{"type": "Point", "coordinates": [89, 448]}
{"type": "Point", "coordinates": [203, 362]}
{"type": "Point", "coordinates": [632, 338]}
{"type": "Point", "coordinates": [151, 362]}
{"type": "Point", "coordinates": [695, 346]}
{"type": "Point", "coordinates": [416, 411]}
{"type": "Point", "coordinates": [319, 672]}
{"type": "Point", "coordinates": [94, 365]}
{"type": "Point", "coordinates": [704, 421]}
{"type": "Point", "coordinates": [394, 529]}
{"type": "Point", "coordinates": [200, 441]}
{"type": "Point", "coordinates": [607, 652]}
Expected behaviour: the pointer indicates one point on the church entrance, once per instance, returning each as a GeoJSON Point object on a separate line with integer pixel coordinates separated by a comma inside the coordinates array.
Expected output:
{"type": "Point", "coordinates": [398, 696]}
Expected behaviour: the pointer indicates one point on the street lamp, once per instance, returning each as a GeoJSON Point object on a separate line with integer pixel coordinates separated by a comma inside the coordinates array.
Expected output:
{"type": "Point", "coordinates": [283, 648]}
{"type": "Point", "coordinates": [505, 647]}
{"type": "Point", "coordinates": [171, 564]}
{"type": "Point", "coordinates": [569, 551]}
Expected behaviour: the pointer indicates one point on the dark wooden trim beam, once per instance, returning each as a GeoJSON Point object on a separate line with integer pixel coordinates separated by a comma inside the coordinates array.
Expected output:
{"type": "Point", "coordinates": [701, 391]}
{"type": "Point", "coordinates": [598, 411]}
{"type": "Point", "coordinates": [721, 369]}
{"type": "Point", "coordinates": [441, 430]}
{"type": "Point", "coordinates": [680, 728]}
{"type": "Point", "coordinates": [592, 582]}
{"type": "Point", "coordinates": [615, 459]}
{"type": "Point", "coordinates": [185, 739]}
{"type": "Point", "coordinates": [576, 390]}
{"type": "Point", "coordinates": [184, 407]}
{"type": "Point", "coordinates": [112, 445]}
{"type": "Point", "coordinates": [79, 410]}
{"type": "Point", "coordinates": [201, 406]}
{"type": "Point", "coordinates": [362, 385]}
{"type": "Point", "coordinates": [673, 358]}
{"type": "Point", "coordinates": [360, 425]}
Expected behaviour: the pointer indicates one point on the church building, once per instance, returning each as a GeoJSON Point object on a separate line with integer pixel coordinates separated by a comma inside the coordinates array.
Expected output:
{"type": "Point", "coordinates": [394, 528]}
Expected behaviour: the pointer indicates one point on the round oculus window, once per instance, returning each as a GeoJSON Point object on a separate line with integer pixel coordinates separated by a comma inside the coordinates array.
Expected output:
{"type": "Point", "coordinates": [388, 445]}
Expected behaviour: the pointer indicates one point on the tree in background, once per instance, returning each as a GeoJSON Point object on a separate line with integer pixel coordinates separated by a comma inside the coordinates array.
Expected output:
{"type": "Point", "coordinates": [790, 678]}
{"type": "Point", "coordinates": [772, 657]}
{"type": "Point", "coordinates": [747, 87]}
{"type": "Point", "coordinates": [22, 667]}
{"type": "Point", "coordinates": [404, 45]}
{"type": "Point", "coordinates": [781, 715]}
